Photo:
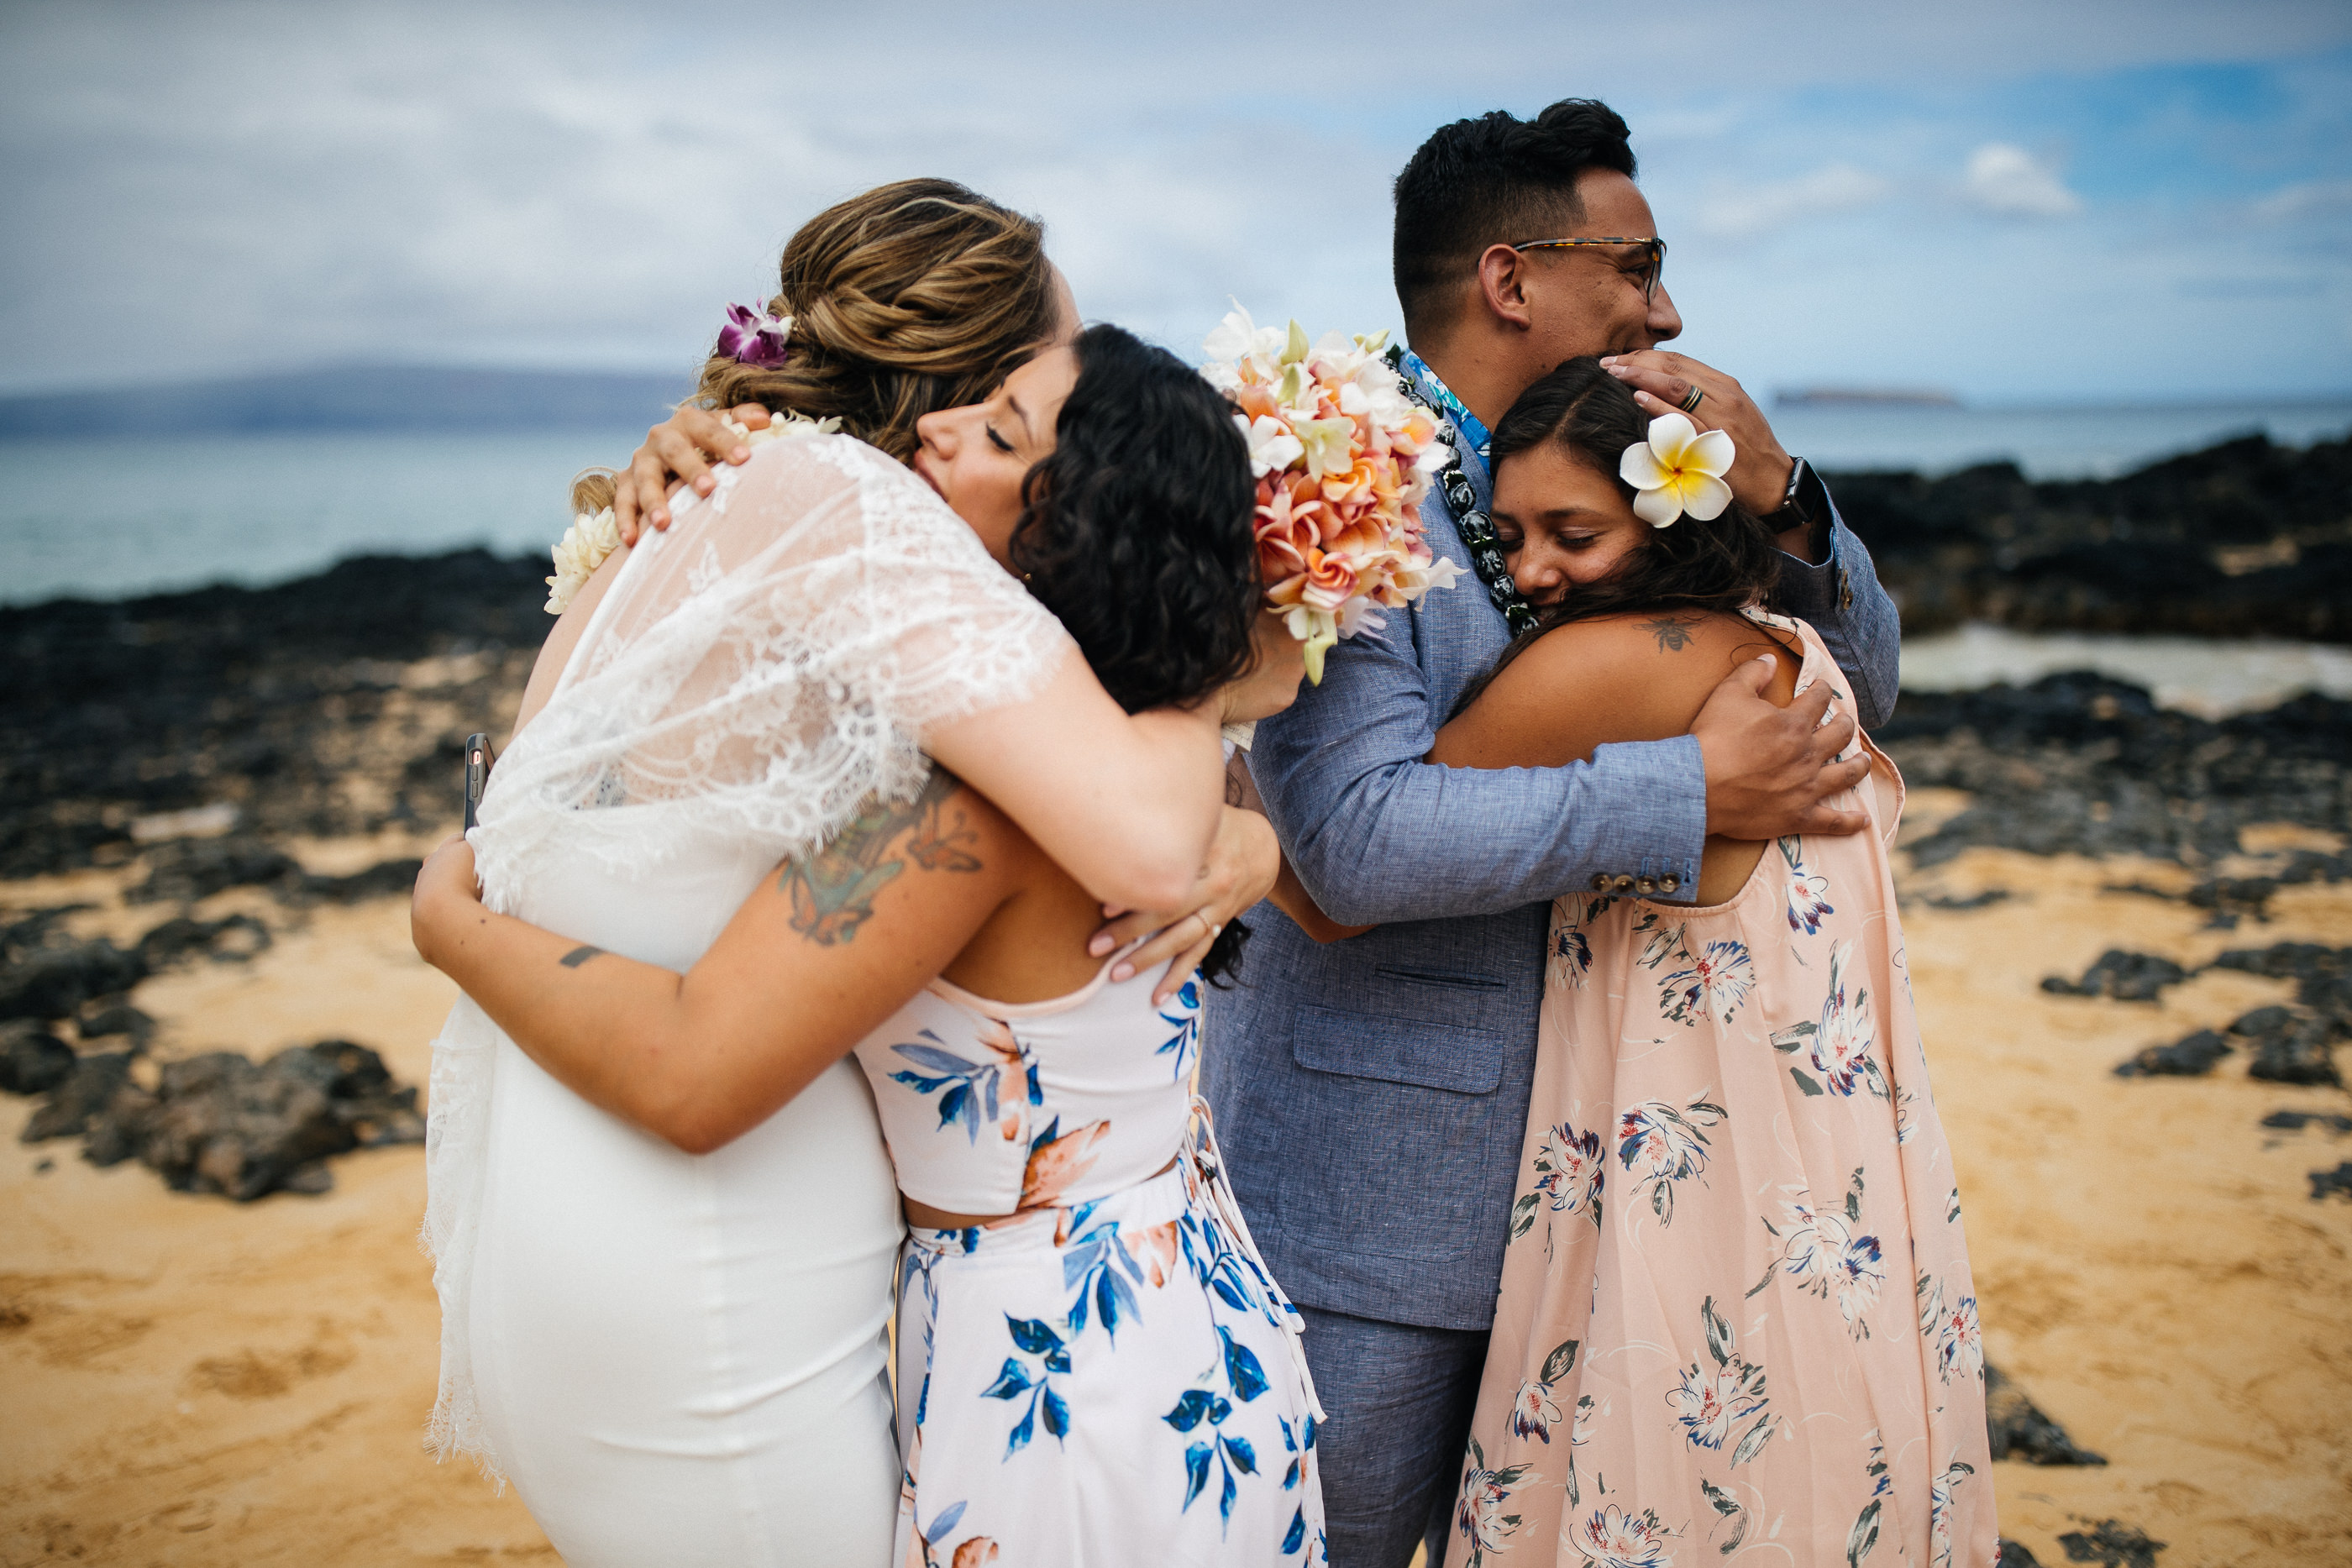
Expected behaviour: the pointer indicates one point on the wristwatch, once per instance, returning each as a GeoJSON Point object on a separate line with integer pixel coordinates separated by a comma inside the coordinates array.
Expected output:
{"type": "Point", "coordinates": [1804, 503]}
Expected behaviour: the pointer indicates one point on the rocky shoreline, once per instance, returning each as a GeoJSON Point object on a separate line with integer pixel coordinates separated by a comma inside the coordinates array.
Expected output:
{"type": "Point", "coordinates": [182, 741]}
{"type": "Point", "coordinates": [2243, 540]}
{"type": "Point", "coordinates": [181, 747]}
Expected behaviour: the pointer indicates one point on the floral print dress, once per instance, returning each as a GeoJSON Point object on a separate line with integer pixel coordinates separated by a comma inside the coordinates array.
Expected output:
{"type": "Point", "coordinates": [1736, 1321]}
{"type": "Point", "coordinates": [1109, 1376]}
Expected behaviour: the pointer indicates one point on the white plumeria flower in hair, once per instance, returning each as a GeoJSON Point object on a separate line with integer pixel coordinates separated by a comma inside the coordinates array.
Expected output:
{"type": "Point", "coordinates": [1678, 469]}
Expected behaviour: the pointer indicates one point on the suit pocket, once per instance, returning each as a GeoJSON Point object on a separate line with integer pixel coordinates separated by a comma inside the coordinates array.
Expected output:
{"type": "Point", "coordinates": [1459, 1060]}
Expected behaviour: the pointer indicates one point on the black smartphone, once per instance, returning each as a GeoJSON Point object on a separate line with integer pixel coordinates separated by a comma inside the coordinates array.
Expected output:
{"type": "Point", "coordinates": [479, 758]}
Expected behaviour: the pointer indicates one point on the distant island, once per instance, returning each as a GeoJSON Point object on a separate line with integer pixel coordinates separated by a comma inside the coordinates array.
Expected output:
{"type": "Point", "coordinates": [1864, 397]}
{"type": "Point", "coordinates": [358, 397]}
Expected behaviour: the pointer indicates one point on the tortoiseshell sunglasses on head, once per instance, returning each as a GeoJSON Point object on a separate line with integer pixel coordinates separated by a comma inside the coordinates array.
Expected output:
{"type": "Point", "coordinates": [1656, 247]}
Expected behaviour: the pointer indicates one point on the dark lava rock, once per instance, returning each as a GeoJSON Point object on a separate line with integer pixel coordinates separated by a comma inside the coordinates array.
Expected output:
{"type": "Point", "coordinates": [2230, 898]}
{"type": "Point", "coordinates": [2082, 765]}
{"type": "Point", "coordinates": [2323, 975]}
{"type": "Point", "coordinates": [1990, 895]}
{"type": "Point", "coordinates": [33, 928]}
{"type": "Point", "coordinates": [2296, 1121]}
{"type": "Point", "coordinates": [194, 869]}
{"type": "Point", "coordinates": [2126, 977]}
{"type": "Point", "coordinates": [235, 938]}
{"type": "Point", "coordinates": [33, 1061]}
{"type": "Point", "coordinates": [385, 879]}
{"type": "Point", "coordinates": [2291, 1045]}
{"type": "Point", "coordinates": [2014, 1554]}
{"type": "Point", "coordinates": [51, 982]}
{"type": "Point", "coordinates": [2338, 1181]}
{"type": "Point", "coordinates": [221, 1124]}
{"type": "Point", "coordinates": [85, 1091]}
{"type": "Point", "coordinates": [2021, 1431]}
{"type": "Point", "coordinates": [118, 1019]}
{"type": "Point", "coordinates": [58, 975]}
{"type": "Point", "coordinates": [270, 700]}
{"type": "Point", "coordinates": [2112, 1545]}
{"type": "Point", "coordinates": [2241, 539]}
{"type": "Point", "coordinates": [2191, 1057]}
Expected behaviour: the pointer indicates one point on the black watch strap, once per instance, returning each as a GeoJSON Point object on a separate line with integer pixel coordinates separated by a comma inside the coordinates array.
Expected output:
{"type": "Point", "coordinates": [1804, 500]}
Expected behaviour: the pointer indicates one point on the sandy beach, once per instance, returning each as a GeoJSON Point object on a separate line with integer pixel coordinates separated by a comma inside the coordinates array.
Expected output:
{"type": "Point", "coordinates": [195, 1381]}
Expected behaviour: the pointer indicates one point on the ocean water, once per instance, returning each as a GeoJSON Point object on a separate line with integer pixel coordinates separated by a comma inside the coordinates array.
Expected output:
{"type": "Point", "coordinates": [111, 518]}
{"type": "Point", "coordinates": [2046, 443]}
{"type": "Point", "coordinates": [2213, 679]}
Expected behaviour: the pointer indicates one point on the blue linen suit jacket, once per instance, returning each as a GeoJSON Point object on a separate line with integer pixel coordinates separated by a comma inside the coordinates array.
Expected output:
{"type": "Point", "coordinates": [1371, 1094]}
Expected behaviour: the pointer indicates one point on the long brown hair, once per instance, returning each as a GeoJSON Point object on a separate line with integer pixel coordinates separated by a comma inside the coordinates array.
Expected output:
{"type": "Point", "coordinates": [1717, 566]}
{"type": "Point", "coordinates": [917, 295]}
{"type": "Point", "coordinates": [1721, 564]}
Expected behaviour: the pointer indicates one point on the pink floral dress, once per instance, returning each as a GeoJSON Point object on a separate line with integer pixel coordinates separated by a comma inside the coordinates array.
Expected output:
{"type": "Point", "coordinates": [1736, 1320]}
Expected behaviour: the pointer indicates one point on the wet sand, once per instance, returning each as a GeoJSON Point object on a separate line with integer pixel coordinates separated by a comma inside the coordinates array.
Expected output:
{"type": "Point", "coordinates": [195, 1381]}
{"type": "Point", "coordinates": [192, 1381]}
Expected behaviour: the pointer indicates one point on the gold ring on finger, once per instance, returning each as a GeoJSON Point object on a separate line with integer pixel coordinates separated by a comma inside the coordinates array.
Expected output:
{"type": "Point", "coordinates": [1698, 396]}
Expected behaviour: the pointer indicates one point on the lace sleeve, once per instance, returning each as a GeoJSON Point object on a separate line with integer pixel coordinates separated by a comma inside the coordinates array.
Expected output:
{"type": "Point", "coordinates": [767, 663]}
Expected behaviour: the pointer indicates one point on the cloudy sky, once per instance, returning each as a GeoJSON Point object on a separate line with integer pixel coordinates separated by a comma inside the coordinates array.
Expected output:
{"type": "Point", "coordinates": [2020, 199]}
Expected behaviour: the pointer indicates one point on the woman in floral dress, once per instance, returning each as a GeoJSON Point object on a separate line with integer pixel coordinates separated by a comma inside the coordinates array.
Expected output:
{"type": "Point", "coordinates": [1736, 1317]}
{"type": "Point", "coordinates": [1736, 1320]}
{"type": "Point", "coordinates": [1094, 1368]}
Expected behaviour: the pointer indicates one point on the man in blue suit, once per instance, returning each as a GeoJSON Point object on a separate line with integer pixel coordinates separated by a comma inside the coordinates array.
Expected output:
{"type": "Point", "coordinates": [1371, 1093]}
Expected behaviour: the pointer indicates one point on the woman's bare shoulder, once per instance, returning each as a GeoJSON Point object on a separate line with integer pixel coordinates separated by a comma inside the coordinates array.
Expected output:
{"type": "Point", "coordinates": [1637, 676]}
{"type": "Point", "coordinates": [1642, 648]}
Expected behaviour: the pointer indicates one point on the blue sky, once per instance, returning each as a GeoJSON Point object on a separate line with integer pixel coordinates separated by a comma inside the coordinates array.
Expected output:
{"type": "Point", "coordinates": [2016, 202]}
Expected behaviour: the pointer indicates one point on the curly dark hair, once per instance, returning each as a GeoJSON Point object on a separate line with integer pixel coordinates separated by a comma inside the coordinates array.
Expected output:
{"type": "Point", "coordinates": [1720, 565]}
{"type": "Point", "coordinates": [1137, 532]}
{"type": "Point", "coordinates": [1494, 180]}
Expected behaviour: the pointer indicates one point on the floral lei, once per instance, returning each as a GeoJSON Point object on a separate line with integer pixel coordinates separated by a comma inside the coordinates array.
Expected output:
{"type": "Point", "coordinates": [1478, 530]}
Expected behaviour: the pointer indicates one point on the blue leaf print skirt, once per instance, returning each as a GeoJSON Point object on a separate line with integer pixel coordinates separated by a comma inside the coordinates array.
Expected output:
{"type": "Point", "coordinates": [1106, 1383]}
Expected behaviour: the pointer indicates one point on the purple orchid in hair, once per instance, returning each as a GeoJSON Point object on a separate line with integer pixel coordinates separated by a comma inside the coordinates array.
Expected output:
{"type": "Point", "coordinates": [754, 337]}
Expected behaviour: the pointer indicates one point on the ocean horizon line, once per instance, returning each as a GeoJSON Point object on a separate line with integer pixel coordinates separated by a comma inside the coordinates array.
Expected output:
{"type": "Point", "coordinates": [363, 394]}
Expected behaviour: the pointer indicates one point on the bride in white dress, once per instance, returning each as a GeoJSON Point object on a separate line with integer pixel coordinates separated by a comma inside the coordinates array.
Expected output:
{"type": "Point", "coordinates": [678, 1357]}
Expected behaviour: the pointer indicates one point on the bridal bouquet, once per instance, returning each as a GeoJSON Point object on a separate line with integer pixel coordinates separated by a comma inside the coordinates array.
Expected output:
{"type": "Point", "coordinates": [1342, 459]}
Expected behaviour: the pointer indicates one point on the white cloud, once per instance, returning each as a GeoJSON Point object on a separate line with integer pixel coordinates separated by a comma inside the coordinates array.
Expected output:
{"type": "Point", "coordinates": [513, 182]}
{"type": "Point", "coordinates": [2309, 199]}
{"type": "Point", "coordinates": [2005, 178]}
{"type": "Point", "coordinates": [1743, 212]}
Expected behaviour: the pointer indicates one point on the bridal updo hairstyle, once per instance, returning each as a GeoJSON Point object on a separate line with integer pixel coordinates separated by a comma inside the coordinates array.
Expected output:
{"type": "Point", "coordinates": [1136, 533]}
{"type": "Point", "coordinates": [1723, 564]}
{"type": "Point", "coordinates": [917, 295]}
{"type": "Point", "coordinates": [1494, 180]}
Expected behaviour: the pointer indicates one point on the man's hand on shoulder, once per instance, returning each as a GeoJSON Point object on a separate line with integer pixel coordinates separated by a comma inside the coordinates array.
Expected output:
{"type": "Point", "coordinates": [1772, 770]}
{"type": "Point", "coordinates": [1662, 382]}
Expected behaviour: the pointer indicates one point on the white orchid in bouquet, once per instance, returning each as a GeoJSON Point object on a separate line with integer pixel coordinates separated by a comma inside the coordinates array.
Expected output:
{"type": "Point", "coordinates": [1342, 459]}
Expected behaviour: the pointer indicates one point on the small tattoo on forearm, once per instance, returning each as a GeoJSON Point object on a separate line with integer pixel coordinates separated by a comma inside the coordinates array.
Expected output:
{"type": "Point", "coordinates": [1673, 634]}
{"type": "Point", "coordinates": [580, 954]}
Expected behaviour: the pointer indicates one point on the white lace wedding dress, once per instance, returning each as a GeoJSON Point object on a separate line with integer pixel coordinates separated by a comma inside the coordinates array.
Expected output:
{"type": "Point", "coordinates": [679, 1359]}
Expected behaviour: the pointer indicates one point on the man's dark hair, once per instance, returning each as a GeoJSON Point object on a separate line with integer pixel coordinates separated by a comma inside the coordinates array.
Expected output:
{"type": "Point", "coordinates": [1494, 180]}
